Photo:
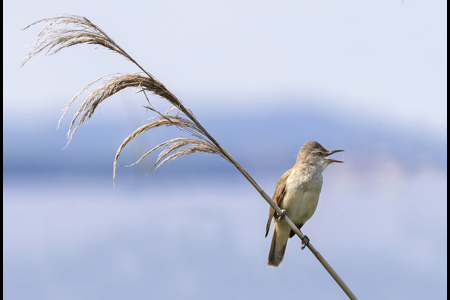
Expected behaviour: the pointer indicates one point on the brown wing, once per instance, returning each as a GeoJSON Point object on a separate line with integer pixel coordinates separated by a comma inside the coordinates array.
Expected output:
{"type": "Point", "coordinates": [278, 196]}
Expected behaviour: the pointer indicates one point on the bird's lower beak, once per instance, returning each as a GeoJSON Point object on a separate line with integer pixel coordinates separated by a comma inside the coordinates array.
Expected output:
{"type": "Point", "coordinates": [334, 160]}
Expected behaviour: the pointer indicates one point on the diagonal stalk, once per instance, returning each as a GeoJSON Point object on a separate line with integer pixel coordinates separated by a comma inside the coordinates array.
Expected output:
{"type": "Point", "coordinates": [269, 200]}
{"type": "Point", "coordinates": [106, 41]}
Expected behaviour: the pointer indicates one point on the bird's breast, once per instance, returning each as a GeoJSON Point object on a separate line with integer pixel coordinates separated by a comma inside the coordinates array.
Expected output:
{"type": "Point", "coordinates": [302, 197]}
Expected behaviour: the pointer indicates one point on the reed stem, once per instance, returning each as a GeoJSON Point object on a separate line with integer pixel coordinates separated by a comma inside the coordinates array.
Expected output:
{"type": "Point", "coordinates": [91, 34]}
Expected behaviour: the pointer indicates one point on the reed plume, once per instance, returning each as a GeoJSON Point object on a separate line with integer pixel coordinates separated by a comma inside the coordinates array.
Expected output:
{"type": "Point", "coordinates": [69, 30]}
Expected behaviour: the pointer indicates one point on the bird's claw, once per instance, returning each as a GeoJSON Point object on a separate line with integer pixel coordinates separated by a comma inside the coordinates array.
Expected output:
{"type": "Point", "coordinates": [305, 242]}
{"type": "Point", "coordinates": [283, 214]}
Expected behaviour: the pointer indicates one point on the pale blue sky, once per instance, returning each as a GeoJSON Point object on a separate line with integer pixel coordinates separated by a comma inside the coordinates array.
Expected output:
{"type": "Point", "coordinates": [380, 59]}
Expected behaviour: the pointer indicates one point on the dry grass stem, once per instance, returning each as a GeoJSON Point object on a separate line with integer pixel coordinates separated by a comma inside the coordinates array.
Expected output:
{"type": "Point", "coordinates": [68, 30]}
{"type": "Point", "coordinates": [106, 90]}
{"type": "Point", "coordinates": [73, 99]}
{"type": "Point", "coordinates": [199, 144]}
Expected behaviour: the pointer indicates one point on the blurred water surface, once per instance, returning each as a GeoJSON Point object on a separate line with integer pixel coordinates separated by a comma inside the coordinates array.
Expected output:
{"type": "Point", "coordinates": [166, 236]}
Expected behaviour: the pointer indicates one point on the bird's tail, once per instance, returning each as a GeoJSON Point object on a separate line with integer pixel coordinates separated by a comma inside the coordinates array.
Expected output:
{"type": "Point", "coordinates": [277, 248]}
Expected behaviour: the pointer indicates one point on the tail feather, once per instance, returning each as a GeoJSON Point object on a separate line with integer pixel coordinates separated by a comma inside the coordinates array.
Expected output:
{"type": "Point", "coordinates": [276, 255]}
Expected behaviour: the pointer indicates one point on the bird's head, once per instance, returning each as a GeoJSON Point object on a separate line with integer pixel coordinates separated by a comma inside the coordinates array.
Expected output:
{"type": "Point", "coordinates": [315, 154]}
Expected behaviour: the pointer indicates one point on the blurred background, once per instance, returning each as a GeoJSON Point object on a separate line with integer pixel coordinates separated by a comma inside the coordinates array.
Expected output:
{"type": "Point", "coordinates": [263, 77]}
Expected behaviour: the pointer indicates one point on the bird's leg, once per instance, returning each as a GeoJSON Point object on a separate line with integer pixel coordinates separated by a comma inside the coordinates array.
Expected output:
{"type": "Point", "coordinates": [305, 242]}
{"type": "Point", "coordinates": [283, 214]}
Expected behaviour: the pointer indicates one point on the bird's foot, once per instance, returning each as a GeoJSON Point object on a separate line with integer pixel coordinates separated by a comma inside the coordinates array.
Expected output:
{"type": "Point", "coordinates": [283, 214]}
{"type": "Point", "coordinates": [305, 242]}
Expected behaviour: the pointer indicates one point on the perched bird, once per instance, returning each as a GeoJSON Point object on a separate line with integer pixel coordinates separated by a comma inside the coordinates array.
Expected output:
{"type": "Point", "coordinates": [297, 194]}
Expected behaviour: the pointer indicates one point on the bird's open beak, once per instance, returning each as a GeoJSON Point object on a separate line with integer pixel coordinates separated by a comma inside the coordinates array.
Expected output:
{"type": "Point", "coordinates": [334, 160]}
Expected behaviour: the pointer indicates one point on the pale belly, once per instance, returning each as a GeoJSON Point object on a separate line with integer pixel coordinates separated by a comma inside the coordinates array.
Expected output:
{"type": "Point", "coordinates": [301, 203]}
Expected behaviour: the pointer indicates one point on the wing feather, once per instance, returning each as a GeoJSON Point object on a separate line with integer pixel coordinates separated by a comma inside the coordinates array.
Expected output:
{"type": "Point", "coordinates": [278, 196]}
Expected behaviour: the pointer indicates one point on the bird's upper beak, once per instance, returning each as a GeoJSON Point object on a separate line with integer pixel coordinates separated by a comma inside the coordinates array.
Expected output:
{"type": "Point", "coordinates": [334, 160]}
